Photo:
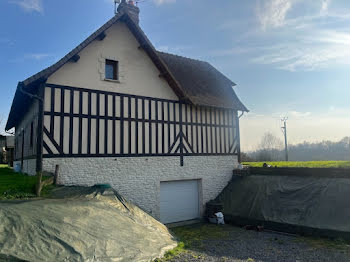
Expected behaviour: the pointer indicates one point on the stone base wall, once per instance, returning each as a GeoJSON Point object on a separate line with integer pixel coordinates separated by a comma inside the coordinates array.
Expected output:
{"type": "Point", "coordinates": [138, 178]}
{"type": "Point", "coordinates": [29, 166]}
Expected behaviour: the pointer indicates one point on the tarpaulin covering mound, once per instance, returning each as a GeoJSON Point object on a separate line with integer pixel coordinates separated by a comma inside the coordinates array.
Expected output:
{"type": "Point", "coordinates": [304, 202]}
{"type": "Point", "coordinates": [80, 224]}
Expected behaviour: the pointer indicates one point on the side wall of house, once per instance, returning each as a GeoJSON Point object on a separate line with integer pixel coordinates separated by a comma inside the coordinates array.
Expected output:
{"type": "Point", "coordinates": [132, 133]}
{"type": "Point", "coordinates": [138, 179]}
{"type": "Point", "coordinates": [26, 140]}
{"type": "Point", "coordinates": [137, 115]}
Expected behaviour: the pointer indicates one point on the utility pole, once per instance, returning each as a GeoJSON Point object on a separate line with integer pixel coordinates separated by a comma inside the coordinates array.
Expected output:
{"type": "Point", "coordinates": [284, 131]}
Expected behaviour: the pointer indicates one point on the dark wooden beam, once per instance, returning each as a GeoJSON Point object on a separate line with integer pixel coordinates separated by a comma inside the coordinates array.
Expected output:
{"type": "Point", "coordinates": [40, 129]}
{"type": "Point", "coordinates": [101, 36]}
{"type": "Point", "coordinates": [157, 127]}
{"type": "Point", "coordinates": [142, 46]}
{"type": "Point", "coordinates": [74, 58]}
{"type": "Point", "coordinates": [163, 75]}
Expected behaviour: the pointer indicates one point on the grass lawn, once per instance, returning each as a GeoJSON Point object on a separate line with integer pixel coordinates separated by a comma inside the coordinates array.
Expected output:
{"type": "Point", "coordinates": [310, 164]}
{"type": "Point", "coordinates": [17, 186]}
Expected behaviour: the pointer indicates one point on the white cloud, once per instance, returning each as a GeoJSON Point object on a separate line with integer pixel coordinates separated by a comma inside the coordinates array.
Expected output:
{"type": "Point", "coordinates": [38, 56]}
{"type": "Point", "coordinates": [231, 51]}
{"type": "Point", "coordinates": [176, 49]}
{"type": "Point", "coordinates": [296, 114]}
{"type": "Point", "coordinates": [325, 5]}
{"type": "Point", "coordinates": [5, 41]}
{"type": "Point", "coordinates": [29, 5]}
{"type": "Point", "coordinates": [302, 41]}
{"type": "Point", "coordinates": [319, 50]}
{"type": "Point", "coordinates": [160, 2]}
{"type": "Point", "coordinates": [33, 56]}
{"type": "Point", "coordinates": [272, 13]}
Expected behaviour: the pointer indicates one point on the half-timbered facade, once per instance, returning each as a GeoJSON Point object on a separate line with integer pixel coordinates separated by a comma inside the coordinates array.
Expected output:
{"type": "Point", "coordinates": [115, 110]}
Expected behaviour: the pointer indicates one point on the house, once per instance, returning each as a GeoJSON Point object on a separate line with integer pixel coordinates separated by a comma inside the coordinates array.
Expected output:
{"type": "Point", "coordinates": [6, 149]}
{"type": "Point", "coordinates": [161, 129]}
{"type": "Point", "coordinates": [2, 149]}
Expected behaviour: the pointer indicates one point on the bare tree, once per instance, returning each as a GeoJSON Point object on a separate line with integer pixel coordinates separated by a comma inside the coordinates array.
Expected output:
{"type": "Point", "coordinates": [270, 147]}
{"type": "Point", "coordinates": [2, 125]}
{"type": "Point", "coordinates": [306, 151]}
{"type": "Point", "coordinates": [346, 141]}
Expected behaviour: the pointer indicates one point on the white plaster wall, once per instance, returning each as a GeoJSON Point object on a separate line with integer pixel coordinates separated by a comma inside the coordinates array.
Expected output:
{"type": "Point", "coordinates": [199, 115]}
{"type": "Point", "coordinates": [138, 179]}
{"type": "Point", "coordinates": [29, 166]}
{"type": "Point", "coordinates": [137, 73]}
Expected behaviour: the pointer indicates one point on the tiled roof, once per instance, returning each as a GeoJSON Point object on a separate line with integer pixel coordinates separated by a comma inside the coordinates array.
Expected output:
{"type": "Point", "coordinates": [203, 83]}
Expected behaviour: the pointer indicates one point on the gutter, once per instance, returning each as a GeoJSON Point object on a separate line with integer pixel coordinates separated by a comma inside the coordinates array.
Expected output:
{"type": "Point", "coordinates": [239, 136]}
{"type": "Point", "coordinates": [20, 88]}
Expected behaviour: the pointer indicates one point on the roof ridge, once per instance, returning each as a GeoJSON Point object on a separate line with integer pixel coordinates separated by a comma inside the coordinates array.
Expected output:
{"type": "Point", "coordinates": [185, 57]}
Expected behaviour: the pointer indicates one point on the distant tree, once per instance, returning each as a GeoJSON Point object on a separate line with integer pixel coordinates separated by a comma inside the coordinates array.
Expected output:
{"type": "Point", "coordinates": [269, 148]}
{"type": "Point", "coordinates": [306, 151]}
{"type": "Point", "coordinates": [2, 123]}
{"type": "Point", "coordinates": [246, 158]}
{"type": "Point", "coordinates": [346, 141]}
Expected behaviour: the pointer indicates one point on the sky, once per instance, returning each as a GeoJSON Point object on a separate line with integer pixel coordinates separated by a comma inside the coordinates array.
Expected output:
{"type": "Point", "coordinates": [288, 57]}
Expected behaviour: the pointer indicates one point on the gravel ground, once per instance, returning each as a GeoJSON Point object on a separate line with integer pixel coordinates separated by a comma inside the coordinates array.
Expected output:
{"type": "Point", "coordinates": [240, 245]}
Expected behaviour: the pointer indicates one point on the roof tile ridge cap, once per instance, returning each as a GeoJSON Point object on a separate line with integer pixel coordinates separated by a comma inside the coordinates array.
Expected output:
{"type": "Point", "coordinates": [184, 57]}
{"type": "Point", "coordinates": [233, 83]}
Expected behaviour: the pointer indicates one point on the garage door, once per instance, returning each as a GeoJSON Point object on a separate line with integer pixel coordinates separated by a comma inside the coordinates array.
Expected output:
{"type": "Point", "coordinates": [179, 201]}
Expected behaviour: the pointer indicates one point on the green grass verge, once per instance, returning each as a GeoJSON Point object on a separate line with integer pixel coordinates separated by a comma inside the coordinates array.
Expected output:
{"type": "Point", "coordinates": [191, 237]}
{"type": "Point", "coordinates": [339, 244]}
{"type": "Point", "coordinates": [18, 186]}
{"type": "Point", "coordinates": [309, 164]}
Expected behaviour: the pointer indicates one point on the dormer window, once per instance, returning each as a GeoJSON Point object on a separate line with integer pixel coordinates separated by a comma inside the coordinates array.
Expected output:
{"type": "Point", "coordinates": [111, 70]}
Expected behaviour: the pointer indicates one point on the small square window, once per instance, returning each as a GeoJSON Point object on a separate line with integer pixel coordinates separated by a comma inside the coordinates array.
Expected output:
{"type": "Point", "coordinates": [111, 70]}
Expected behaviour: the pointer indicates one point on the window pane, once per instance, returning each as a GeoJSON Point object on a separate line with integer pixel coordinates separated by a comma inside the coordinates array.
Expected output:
{"type": "Point", "coordinates": [109, 71]}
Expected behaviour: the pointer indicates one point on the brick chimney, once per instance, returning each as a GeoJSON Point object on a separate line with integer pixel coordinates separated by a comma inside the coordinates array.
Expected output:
{"type": "Point", "coordinates": [127, 6]}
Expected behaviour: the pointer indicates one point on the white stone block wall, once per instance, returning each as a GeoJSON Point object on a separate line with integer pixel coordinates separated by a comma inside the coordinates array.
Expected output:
{"type": "Point", "coordinates": [138, 178]}
{"type": "Point", "coordinates": [29, 166]}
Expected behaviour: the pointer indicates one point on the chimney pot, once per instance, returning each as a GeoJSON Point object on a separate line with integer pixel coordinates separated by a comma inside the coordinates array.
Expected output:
{"type": "Point", "coordinates": [129, 8]}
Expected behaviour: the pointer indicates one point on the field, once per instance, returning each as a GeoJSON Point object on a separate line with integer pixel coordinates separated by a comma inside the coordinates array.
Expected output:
{"type": "Point", "coordinates": [17, 186]}
{"type": "Point", "coordinates": [310, 164]}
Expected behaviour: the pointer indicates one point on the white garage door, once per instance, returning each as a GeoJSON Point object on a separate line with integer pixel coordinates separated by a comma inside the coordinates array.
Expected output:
{"type": "Point", "coordinates": [179, 201]}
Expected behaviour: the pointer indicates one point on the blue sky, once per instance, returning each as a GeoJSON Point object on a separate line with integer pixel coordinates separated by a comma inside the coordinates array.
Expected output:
{"type": "Point", "coordinates": [287, 57]}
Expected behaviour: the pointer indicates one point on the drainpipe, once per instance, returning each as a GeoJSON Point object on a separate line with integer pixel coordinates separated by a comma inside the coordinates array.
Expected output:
{"type": "Point", "coordinates": [239, 136]}
{"type": "Point", "coordinates": [22, 151]}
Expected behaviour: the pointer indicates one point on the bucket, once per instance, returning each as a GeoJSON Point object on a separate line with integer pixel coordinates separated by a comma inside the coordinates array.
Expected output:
{"type": "Point", "coordinates": [17, 168]}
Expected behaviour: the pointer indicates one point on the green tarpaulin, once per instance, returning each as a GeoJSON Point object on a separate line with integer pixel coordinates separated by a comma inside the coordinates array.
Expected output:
{"type": "Point", "coordinates": [307, 202]}
{"type": "Point", "coordinates": [80, 224]}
